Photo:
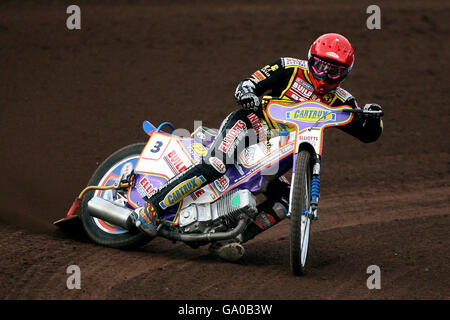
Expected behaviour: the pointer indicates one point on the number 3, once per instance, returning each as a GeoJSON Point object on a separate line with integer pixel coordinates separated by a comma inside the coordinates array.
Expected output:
{"type": "Point", "coordinates": [156, 147]}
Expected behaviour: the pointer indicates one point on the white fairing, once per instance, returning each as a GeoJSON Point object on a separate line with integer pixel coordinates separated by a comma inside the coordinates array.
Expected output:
{"type": "Point", "coordinates": [312, 137]}
{"type": "Point", "coordinates": [165, 156]}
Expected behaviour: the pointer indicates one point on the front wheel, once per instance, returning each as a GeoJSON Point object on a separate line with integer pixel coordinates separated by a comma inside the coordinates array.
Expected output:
{"type": "Point", "coordinates": [300, 208]}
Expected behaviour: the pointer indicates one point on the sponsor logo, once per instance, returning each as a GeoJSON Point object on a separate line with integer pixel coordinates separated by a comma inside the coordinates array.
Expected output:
{"type": "Point", "coordinates": [305, 84]}
{"type": "Point", "coordinates": [222, 183]}
{"type": "Point", "coordinates": [265, 221]}
{"type": "Point", "coordinates": [265, 161]}
{"type": "Point", "coordinates": [342, 93]}
{"type": "Point", "coordinates": [310, 115]}
{"type": "Point", "coordinates": [283, 179]}
{"type": "Point", "coordinates": [270, 68]}
{"type": "Point", "coordinates": [280, 210]}
{"type": "Point", "coordinates": [256, 123]}
{"type": "Point", "coordinates": [293, 62]}
{"type": "Point", "coordinates": [126, 169]}
{"type": "Point", "coordinates": [182, 190]}
{"type": "Point", "coordinates": [197, 194]}
{"type": "Point", "coordinates": [309, 138]}
{"type": "Point", "coordinates": [231, 136]}
{"type": "Point", "coordinates": [200, 135]}
{"type": "Point", "coordinates": [332, 54]}
{"type": "Point", "coordinates": [248, 155]}
{"type": "Point", "coordinates": [295, 96]}
{"type": "Point", "coordinates": [217, 164]}
{"type": "Point", "coordinates": [145, 188]}
{"type": "Point", "coordinates": [259, 76]}
{"type": "Point", "coordinates": [300, 88]}
{"type": "Point", "coordinates": [199, 149]}
{"type": "Point", "coordinates": [327, 98]}
{"type": "Point", "coordinates": [174, 162]}
{"type": "Point", "coordinates": [265, 72]}
{"type": "Point", "coordinates": [239, 168]}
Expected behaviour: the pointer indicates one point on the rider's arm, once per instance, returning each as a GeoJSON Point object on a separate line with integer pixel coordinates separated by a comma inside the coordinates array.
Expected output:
{"type": "Point", "coordinates": [273, 77]}
{"type": "Point", "coordinates": [364, 128]}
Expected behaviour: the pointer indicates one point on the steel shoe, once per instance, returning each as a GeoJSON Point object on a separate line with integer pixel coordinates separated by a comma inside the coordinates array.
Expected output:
{"type": "Point", "coordinates": [228, 251]}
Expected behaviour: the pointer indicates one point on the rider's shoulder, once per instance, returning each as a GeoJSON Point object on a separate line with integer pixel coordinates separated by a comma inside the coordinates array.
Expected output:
{"type": "Point", "coordinates": [288, 62]}
{"type": "Point", "coordinates": [342, 94]}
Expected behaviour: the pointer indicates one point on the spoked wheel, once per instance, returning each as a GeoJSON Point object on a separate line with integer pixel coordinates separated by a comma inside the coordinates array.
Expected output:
{"type": "Point", "coordinates": [102, 232]}
{"type": "Point", "coordinates": [300, 208]}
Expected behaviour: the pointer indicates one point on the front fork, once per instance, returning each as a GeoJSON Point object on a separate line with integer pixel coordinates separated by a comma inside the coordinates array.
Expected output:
{"type": "Point", "coordinates": [312, 212]}
{"type": "Point", "coordinates": [315, 189]}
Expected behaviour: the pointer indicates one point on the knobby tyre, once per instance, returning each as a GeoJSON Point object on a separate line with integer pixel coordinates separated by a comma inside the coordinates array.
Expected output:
{"type": "Point", "coordinates": [300, 222]}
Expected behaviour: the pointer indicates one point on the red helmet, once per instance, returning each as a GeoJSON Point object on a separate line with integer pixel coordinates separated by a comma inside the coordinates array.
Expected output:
{"type": "Point", "coordinates": [330, 59]}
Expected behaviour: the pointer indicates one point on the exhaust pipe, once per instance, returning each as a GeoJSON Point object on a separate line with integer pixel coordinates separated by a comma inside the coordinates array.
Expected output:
{"type": "Point", "coordinates": [110, 212]}
{"type": "Point", "coordinates": [212, 236]}
{"type": "Point", "coordinates": [119, 216]}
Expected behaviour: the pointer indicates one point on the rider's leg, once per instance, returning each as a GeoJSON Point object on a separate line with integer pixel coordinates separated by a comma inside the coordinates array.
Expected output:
{"type": "Point", "coordinates": [221, 155]}
{"type": "Point", "coordinates": [271, 211]}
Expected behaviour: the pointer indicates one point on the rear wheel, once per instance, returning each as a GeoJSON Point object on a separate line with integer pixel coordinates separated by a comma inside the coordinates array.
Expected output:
{"type": "Point", "coordinates": [300, 208]}
{"type": "Point", "coordinates": [102, 232]}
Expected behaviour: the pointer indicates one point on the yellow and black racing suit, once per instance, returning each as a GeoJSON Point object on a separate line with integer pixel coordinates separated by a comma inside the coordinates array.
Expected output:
{"type": "Point", "coordinates": [289, 78]}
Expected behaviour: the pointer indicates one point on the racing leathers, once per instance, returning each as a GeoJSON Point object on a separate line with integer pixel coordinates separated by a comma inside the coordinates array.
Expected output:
{"type": "Point", "coordinates": [289, 78]}
{"type": "Point", "coordinates": [286, 78]}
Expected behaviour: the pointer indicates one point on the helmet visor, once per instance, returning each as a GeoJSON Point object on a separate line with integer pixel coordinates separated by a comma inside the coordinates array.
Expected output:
{"type": "Point", "coordinates": [323, 68]}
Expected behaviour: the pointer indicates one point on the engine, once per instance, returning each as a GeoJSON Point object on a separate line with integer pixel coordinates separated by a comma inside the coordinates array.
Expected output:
{"type": "Point", "coordinates": [222, 213]}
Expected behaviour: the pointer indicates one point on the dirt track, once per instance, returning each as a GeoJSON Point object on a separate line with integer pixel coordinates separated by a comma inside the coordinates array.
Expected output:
{"type": "Point", "coordinates": [71, 98]}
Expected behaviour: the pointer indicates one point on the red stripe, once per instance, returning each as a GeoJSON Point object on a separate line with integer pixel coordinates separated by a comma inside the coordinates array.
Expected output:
{"type": "Point", "coordinates": [271, 219]}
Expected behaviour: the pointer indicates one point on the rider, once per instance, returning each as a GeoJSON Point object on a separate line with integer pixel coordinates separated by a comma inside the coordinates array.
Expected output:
{"type": "Point", "coordinates": [330, 59]}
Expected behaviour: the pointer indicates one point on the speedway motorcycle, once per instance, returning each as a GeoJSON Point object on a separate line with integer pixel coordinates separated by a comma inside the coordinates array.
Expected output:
{"type": "Point", "coordinates": [223, 209]}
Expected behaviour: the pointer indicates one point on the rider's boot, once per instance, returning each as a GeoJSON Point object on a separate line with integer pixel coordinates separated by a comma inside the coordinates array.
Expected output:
{"type": "Point", "coordinates": [230, 250]}
{"type": "Point", "coordinates": [144, 218]}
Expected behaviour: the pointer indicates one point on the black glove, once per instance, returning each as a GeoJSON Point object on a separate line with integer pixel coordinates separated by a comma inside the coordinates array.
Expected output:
{"type": "Point", "coordinates": [372, 107]}
{"type": "Point", "coordinates": [245, 95]}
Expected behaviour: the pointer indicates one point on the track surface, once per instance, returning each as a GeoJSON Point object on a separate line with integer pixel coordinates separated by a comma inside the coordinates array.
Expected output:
{"type": "Point", "coordinates": [71, 98]}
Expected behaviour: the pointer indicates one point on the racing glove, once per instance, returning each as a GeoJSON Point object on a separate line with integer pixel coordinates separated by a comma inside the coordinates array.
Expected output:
{"type": "Point", "coordinates": [245, 95]}
{"type": "Point", "coordinates": [372, 107]}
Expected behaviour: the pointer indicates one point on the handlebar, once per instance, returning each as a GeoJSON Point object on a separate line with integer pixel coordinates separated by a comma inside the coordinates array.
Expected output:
{"type": "Point", "coordinates": [266, 100]}
{"type": "Point", "coordinates": [374, 112]}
